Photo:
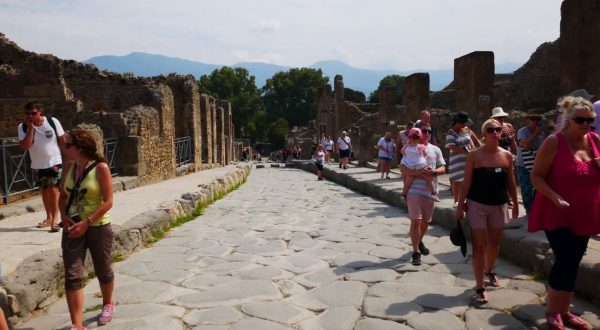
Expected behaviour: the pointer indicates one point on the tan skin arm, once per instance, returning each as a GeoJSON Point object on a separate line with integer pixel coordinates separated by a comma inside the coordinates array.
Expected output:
{"type": "Point", "coordinates": [475, 139]}
{"type": "Point", "coordinates": [27, 142]}
{"type": "Point", "coordinates": [105, 179]}
{"type": "Point", "coordinates": [543, 161]}
{"type": "Point", "coordinates": [512, 185]}
{"type": "Point", "coordinates": [465, 186]}
{"type": "Point", "coordinates": [526, 143]}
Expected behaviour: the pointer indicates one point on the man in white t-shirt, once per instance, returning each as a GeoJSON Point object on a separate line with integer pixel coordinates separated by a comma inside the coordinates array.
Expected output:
{"type": "Point", "coordinates": [344, 146]}
{"type": "Point", "coordinates": [42, 139]}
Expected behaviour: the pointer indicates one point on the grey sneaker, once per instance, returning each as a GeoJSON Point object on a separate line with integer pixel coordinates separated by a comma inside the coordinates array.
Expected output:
{"type": "Point", "coordinates": [416, 259]}
{"type": "Point", "coordinates": [423, 249]}
{"type": "Point", "coordinates": [107, 314]}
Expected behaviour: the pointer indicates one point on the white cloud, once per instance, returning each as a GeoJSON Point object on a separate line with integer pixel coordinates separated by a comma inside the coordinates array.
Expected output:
{"type": "Point", "coordinates": [266, 26]}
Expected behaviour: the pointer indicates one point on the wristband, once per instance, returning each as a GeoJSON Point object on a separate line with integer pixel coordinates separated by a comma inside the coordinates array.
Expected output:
{"type": "Point", "coordinates": [89, 219]}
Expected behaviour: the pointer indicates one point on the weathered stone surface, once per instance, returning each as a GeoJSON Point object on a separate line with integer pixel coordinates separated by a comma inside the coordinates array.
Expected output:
{"type": "Point", "coordinates": [203, 282]}
{"type": "Point", "coordinates": [254, 323]}
{"type": "Point", "coordinates": [147, 291]}
{"type": "Point", "coordinates": [220, 315]}
{"type": "Point", "coordinates": [330, 295]}
{"type": "Point", "coordinates": [491, 319]}
{"type": "Point", "coordinates": [231, 294]}
{"type": "Point", "coordinates": [319, 277]}
{"type": "Point", "coordinates": [390, 309]}
{"type": "Point", "coordinates": [428, 278]}
{"type": "Point", "coordinates": [265, 273]}
{"type": "Point", "coordinates": [356, 260]}
{"type": "Point", "coordinates": [433, 320]}
{"type": "Point", "coordinates": [503, 299]}
{"type": "Point", "coordinates": [297, 264]}
{"type": "Point", "coordinates": [277, 312]}
{"type": "Point", "coordinates": [370, 324]}
{"type": "Point", "coordinates": [341, 318]}
{"type": "Point", "coordinates": [289, 288]}
{"type": "Point", "coordinates": [371, 275]}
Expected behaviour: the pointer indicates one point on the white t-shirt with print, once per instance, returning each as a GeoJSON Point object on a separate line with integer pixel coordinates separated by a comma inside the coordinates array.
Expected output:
{"type": "Point", "coordinates": [341, 144]}
{"type": "Point", "coordinates": [44, 151]}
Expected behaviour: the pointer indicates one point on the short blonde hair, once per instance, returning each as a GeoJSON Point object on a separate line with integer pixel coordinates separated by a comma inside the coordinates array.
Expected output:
{"type": "Point", "coordinates": [569, 106]}
{"type": "Point", "coordinates": [487, 123]}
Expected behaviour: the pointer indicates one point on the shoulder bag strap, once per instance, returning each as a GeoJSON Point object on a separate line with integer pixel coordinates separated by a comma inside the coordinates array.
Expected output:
{"type": "Point", "coordinates": [591, 136]}
{"type": "Point", "coordinates": [78, 183]}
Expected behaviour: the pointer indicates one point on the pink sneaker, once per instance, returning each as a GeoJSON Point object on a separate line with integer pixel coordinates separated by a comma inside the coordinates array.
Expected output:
{"type": "Point", "coordinates": [107, 314]}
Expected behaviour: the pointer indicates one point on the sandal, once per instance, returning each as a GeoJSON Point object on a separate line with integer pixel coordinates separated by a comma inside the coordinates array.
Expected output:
{"type": "Point", "coordinates": [575, 321]}
{"type": "Point", "coordinates": [54, 228]}
{"type": "Point", "coordinates": [45, 223]}
{"type": "Point", "coordinates": [554, 321]}
{"type": "Point", "coordinates": [493, 279]}
{"type": "Point", "coordinates": [480, 297]}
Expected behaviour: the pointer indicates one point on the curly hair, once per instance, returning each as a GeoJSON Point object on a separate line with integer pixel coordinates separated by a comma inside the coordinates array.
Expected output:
{"type": "Point", "coordinates": [85, 142]}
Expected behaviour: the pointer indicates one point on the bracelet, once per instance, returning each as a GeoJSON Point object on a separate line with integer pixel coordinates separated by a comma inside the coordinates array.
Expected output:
{"type": "Point", "coordinates": [89, 219]}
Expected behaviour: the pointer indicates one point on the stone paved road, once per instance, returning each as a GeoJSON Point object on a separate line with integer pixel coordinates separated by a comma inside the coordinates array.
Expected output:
{"type": "Point", "coordinates": [286, 251]}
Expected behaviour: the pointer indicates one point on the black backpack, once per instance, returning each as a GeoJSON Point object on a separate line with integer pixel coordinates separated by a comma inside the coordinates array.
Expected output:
{"type": "Point", "coordinates": [50, 121]}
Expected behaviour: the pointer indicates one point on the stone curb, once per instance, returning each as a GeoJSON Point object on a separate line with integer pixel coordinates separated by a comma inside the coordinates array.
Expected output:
{"type": "Point", "coordinates": [38, 280]}
{"type": "Point", "coordinates": [528, 250]}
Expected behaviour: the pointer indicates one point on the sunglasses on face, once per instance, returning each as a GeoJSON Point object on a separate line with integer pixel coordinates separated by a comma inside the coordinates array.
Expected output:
{"type": "Point", "coordinates": [426, 131]}
{"type": "Point", "coordinates": [581, 120]}
{"type": "Point", "coordinates": [31, 113]}
{"type": "Point", "coordinates": [492, 130]}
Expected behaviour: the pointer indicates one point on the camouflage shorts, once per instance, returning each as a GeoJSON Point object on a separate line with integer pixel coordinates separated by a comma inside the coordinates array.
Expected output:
{"type": "Point", "coordinates": [48, 177]}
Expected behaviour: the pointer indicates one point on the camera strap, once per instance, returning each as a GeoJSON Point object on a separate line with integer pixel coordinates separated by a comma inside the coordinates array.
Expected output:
{"type": "Point", "coordinates": [75, 189]}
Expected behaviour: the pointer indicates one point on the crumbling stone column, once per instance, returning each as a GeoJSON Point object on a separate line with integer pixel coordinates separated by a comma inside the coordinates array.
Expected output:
{"type": "Point", "coordinates": [474, 83]}
{"type": "Point", "coordinates": [339, 88]}
{"type": "Point", "coordinates": [390, 112]}
{"type": "Point", "coordinates": [213, 113]}
{"type": "Point", "coordinates": [324, 111]}
{"type": "Point", "coordinates": [206, 130]}
{"type": "Point", "coordinates": [579, 47]}
{"type": "Point", "coordinates": [416, 94]}
{"type": "Point", "coordinates": [227, 132]}
{"type": "Point", "coordinates": [221, 135]}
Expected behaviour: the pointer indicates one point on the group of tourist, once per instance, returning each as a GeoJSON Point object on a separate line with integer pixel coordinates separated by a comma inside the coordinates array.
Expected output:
{"type": "Point", "coordinates": [82, 196]}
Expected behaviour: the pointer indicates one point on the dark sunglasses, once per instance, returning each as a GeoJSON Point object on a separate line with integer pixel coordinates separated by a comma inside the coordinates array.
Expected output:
{"type": "Point", "coordinates": [491, 130]}
{"type": "Point", "coordinates": [581, 120]}
{"type": "Point", "coordinates": [31, 113]}
{"type": "Point", "coordinates": [427, 131]}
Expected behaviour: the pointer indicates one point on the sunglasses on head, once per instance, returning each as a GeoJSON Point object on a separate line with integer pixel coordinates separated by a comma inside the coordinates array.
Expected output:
{"type": "Point", "coordinates": [581, 120]}
{"type": "Point", "coordinates": [491, 130]}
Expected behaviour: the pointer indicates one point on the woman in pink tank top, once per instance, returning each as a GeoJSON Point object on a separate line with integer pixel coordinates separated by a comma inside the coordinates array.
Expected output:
{"type": "Point", "coordinates": [567, 204]}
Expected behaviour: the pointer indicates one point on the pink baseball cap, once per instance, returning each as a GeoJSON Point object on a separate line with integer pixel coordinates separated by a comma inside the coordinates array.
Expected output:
{"type": "Point", "coordinates": [415, 132]}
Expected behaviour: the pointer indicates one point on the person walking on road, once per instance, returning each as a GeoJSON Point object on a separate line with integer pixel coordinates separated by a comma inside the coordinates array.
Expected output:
{"type": "Point", "coordinates": [460, 142]}
{"type": "Point", "coordinates": [42, 136]}
{"type": "Point", "coordinates": [386, 148]}
{"type": "Point", "coordinates": [419, 200]}
{"type": "Point", "coordinates": [86, 197]}
{"type": "Point", "coordinates": [530, 139]}
{"type": "Point", "coordinates": [319, 159]}
{"type": "Point", "coordinates": [566, 176]}
{"type": "Point", "coordinates": [489, 180]}
{"type": "Point", "coordinates": [344, 146]}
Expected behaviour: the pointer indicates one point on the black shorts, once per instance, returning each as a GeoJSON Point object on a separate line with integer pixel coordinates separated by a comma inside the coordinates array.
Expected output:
{"type": "Point", "coordinates": [344, 153]}
{"type": "Point", "coordinates": [319, 166]}
{"type": "Point", "coordinates": [48, 177]}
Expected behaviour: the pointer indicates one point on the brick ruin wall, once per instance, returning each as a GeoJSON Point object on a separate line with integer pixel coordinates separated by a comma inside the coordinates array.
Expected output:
{"type": "Point", "coordinates": [144, 114]}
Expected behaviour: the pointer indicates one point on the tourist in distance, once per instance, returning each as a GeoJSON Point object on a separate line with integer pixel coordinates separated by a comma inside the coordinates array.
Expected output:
{"type": "Point", "coordinates": [425, 117]}
{"type": "Point", "coordinates": [327, 144]}
{"type": "Point", "coordinates": [414, 156]}
{"type": "Point", "coordinates": [402, 140]}
{"type": "Point", "coordinates": [86, 196]}
{"type": "Point", "coordinates": [530, 139]}
{"type": "Point", "coordinates": [596, 125]}
{"type": "Point", "coordinates": [460, 142]}
{"type": "Point", "coordinates": [566, 176]}
{"type": "Point", "coordinates": [488, 181]}
{"type": "Point", "coordinates": [42, 136]}
{"type": "Point", "coordinates": [344, 146]}
{"type": "Point", "coordinates": [419, 200]}
{"type": "Point", "coordinates": [319, 160]}
{"type": "Point", "coordinates": [386, 147]}
{"type": "Point", "coordinates": [507, 137]}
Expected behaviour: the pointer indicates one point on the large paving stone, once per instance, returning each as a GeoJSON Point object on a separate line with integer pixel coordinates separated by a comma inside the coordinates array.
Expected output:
{"type": "Point", "coordinates": [330, 295]}
{"type": "Point", "coordinates": [319, 277]}
{"type": "Point", "coordinates": [277, 312]}
{"type": "Point", "coordinates": [254, 323]}
{"type": "Point", "coordinates": [220, 315]}
{"type": "Point", "coordinates": [212, 251]}
{"type": "Point", "coordinates": [527, 285]}
{"type": "Point", "coordinates": [203, 282]}
{"type": "Point", "coordinates": [228, 268]}
{"type": "Point", "coordinates": [373, 275]}
{"type": "Point", "coordinates": [491, 319]}
{"type": "Point", "coordinates": [428, 278]}
{"type": "Point", "coordinates": [454, 269]}
{"type": "Point", "coordinates": [270, 249]}
{"type": "Point", "coordinates": [290, 288]}
{"type": "Point", "coordinates": [503, 299]}
{"type": "Point", "coordinates": [297, 264]}
{"type": "Point", "coordinates": [148, 291]}
{"type": "Point", "coordinates": [231, 294]}
{"type": "Point", "coordinates": [356, 260]}
{"type": "Point", "coordinates": [387, 252]}
{"type": "Point", "coordinates": [265, 273]}
{"type": "Point", "coordinates": [371, 324]}
{"type": "Point", "coordinates": [341, 318]}
{"type": "Point", "coordinates": [359, 247]}
{"type": "Point", "coordinates": [433, 320]}
{"type": "Point", "coordinates": [307, 244]}
{"type": "Point", "coordinates": [390, 309]}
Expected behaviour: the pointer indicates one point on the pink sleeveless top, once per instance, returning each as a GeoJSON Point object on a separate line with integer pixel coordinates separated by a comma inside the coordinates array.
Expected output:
{"type": "Point", "coordinates": [579, 184]}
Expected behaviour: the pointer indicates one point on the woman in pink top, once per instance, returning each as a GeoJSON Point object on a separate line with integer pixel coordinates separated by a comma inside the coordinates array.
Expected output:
{"type": "Point", "coordinates": [567, 205]}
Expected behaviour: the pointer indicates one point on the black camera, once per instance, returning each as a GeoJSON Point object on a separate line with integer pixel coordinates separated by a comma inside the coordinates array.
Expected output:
{"type": "Point", "coordinates": [76, 218]}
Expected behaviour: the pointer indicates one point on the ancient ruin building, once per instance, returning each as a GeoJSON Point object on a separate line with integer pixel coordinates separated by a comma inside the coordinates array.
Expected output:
{"type": "Point", "coordinates": [162, 124]}
{"type": "Point", "coordinates": [416, 94]}
{"type": "Point", "coordinates": [474, 83]}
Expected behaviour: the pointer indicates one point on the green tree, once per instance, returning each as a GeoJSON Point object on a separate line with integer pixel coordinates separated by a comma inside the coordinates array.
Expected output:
{"type": "Point", "coordinates": [354, 96]}
{"type": "Point", "coordinates": [278, 131]}
{"type": "Point", "coordinates": [238, 87]}
{"type": "Point", "coordinates": [292, 95]}
{"type": "Point", "coordinates": [394, 80]}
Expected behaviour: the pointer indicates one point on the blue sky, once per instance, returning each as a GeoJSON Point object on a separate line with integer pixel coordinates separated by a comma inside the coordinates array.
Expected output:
{"type": "Point", "coordinates": [377, 34]}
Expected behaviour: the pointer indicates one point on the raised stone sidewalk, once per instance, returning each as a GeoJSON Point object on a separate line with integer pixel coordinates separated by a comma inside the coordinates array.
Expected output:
{"type": "Point", "coordinates": [30, 258]}
{"type": "Point", "coordinates": [529, 250]}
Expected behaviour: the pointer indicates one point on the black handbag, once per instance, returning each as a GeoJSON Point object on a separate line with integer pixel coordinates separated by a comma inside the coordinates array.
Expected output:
{"type": "Point", "coordinates": [457, 237]}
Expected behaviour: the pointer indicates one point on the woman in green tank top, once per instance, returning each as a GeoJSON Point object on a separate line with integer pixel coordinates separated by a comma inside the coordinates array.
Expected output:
{"type": "Point", "coordinates": [85, 198]}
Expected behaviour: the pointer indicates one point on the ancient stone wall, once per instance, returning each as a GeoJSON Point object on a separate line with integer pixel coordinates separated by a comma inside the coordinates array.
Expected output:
{"type": "Point", "coordinates": [416, 93]}
{"type": "Point", "coordinates": [390, 112]}
{"type": "Point", "coordinates": [324, 113]}
{"type": "Point", "coordinates": [579, 46]}
{"type": "Point", "coordinates": [474, 83]}
{"type": "Point", "coordinates": [221, 137]}
{"type": "Point", "coordinates": [207, 129]}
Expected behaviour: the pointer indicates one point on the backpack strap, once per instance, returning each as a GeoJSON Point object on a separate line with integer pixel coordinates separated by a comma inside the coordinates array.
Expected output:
{"type": "Point", "coordinates": [50, 121]}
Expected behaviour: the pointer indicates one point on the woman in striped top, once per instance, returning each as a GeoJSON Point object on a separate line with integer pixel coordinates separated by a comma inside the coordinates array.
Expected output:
{"type": "Point", "coordinates": [460, 140]}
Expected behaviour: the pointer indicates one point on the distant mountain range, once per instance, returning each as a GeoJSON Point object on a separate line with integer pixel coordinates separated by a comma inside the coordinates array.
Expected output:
{"type": "Point", "coordinates": [364, 80]}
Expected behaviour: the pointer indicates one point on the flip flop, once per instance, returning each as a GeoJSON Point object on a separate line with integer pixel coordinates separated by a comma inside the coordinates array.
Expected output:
{"type": "Point", "coordinates": [45, 223]}
{"type": "Point", "coordinates": [54, 228]}
{"type": "Point", "coordinates": [480, 297]}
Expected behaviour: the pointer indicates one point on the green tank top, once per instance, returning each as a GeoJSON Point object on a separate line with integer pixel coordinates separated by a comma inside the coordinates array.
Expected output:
{"type": "Point", "coordinates": [89, 197]}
